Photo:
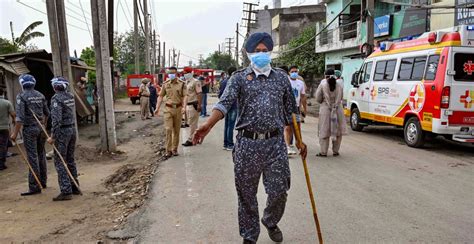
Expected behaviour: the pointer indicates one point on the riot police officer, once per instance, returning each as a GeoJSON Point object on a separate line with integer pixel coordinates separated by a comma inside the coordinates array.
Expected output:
{"type": "Point", "coordinates": [63, 135]}
{"type": "Point", "coordinates": [30, 101]}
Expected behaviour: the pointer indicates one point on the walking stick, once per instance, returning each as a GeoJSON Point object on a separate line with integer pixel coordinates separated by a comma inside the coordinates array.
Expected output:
{"type": "Point", "coordinates": [308, 180]}
{"type": "Point", "coordinates": [29, 165]}
{"type": "Point", "coordinates": [59, 154]}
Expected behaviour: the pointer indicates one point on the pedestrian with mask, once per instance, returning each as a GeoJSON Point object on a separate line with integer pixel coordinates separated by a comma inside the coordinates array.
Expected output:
{"type": "Point", "coordinates": [332, 124]}
{"type": "Point", "coordinates": [63, 136]}
{"type": "Point", "coordinates": [144, 93]}
{"type": "Point", "coordinates": [6, 112]}
{"type": "Point", "coordinates": [230, 117]}
{"type": "Point", "coordinates": [205, 83]}
{"type": "Point", "coordinates": [299, 91]}
{"type": "Point", "coordinates": [30, 101]}
{"type": "Point", "coordinates": [266, 103]}
{"type": "Point", "coordinates": [193, 108]}
{"type": "Point", "coordinates": [174, 94]}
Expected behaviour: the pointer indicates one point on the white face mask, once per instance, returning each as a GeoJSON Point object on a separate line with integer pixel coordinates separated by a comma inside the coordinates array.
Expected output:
{"type": "Point", "coordinates": [188, 76]}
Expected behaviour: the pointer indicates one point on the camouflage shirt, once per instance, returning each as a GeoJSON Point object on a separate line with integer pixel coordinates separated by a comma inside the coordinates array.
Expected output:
{"type": "Point", "coordinates": [34, 100]}
{"type": "Point", "coordinates": [62, 111]}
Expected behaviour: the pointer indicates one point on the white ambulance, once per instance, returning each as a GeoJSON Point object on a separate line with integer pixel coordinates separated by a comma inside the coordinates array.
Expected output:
{"type": "Point", "coordinates": [425, 85]}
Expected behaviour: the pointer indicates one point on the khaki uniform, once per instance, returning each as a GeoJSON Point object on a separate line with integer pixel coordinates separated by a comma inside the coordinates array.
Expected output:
{"type": "Point", "coordinates": [174, 92]}
{"type": "Point", "coordinates": [144, 93]}
{"type": "Point", "coordinates": [194, 89]}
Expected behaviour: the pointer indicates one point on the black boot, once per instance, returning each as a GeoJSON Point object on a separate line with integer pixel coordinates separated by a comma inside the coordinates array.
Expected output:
{"type": "Point", "coordinates": [275, 234]}
{"type": "Point", "coordinates": [63, 197]}
{"type": "Point", "coordinates": [187, 144]}
{"type": "Point", "coordinates": [29, 193]}
{"type": "Point", "coordinates": [249, 242]}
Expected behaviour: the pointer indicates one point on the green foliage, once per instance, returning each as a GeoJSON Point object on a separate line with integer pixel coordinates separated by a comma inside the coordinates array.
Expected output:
{"type": "Point", "coordinates": [28, 34]}
{"type": "Point", "coordinates": [88, 55]}
{"type": "Point", "coordinates": [304, 57]}
{"type": "Point", "coordinates": [6, 46]}
{"type": "Point", "coordinates": [219, 61]}
{"type": "Point", "coordinates": [124, 53]}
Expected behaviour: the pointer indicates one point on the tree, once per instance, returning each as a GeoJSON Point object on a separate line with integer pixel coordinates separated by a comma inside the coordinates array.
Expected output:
{"type": "Point", "coordinates": [27, 35]}
{"type": "Point", "coordinates": [309, 62]}
{"type": "Point", "coordinates": [88, 55]}
{"type": "Point", "coordinates": [124, 52]}
{"type": "Point", "coordinates": [6, 46]}
{"type": "Point", "coordinates": [219, 61]}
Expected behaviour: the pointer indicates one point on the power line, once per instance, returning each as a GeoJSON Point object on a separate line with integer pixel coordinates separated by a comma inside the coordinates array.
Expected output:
{"type": "Point", "coordinates": [128, 21]}
{"type": "Point", "coordinates": [90, 34]}
{"type": "Point", "coordinates": [74, 11]}
{"type": "Point", "coordinates": [128, 10]}
{"type": "Point", "coordinates": [89, 14]}
{"type": "Point", "coordinates": [140, 18]}
{"type": "Point", "coordinates": [47, 14]}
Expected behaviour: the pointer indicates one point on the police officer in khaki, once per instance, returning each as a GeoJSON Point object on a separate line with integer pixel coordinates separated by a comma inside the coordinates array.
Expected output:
{"type": "Point", "coordinates": [174, 92]}
{"type": "Point", "coordinates": [193, 99]}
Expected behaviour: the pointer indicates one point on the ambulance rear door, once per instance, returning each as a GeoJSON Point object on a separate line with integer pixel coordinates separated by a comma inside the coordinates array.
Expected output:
{"type": "Point", "coordinates": [461, 81]}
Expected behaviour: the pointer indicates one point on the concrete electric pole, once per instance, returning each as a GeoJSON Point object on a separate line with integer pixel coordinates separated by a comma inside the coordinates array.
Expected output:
{"type": "Point", "coordinates": [135, 37]}
{"type": "Point", "coordinates": [237, 44]}
{"type": "Point", "coordinates": [147, 36]}
{"type": "Point", "coordinates": [229, 42]}
{"type": "Point", "coordinates": [104, 79]}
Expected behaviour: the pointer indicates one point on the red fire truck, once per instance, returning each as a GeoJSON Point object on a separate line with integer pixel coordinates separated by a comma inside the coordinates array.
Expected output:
{"type": "Point", "coordinates": [133, 84]}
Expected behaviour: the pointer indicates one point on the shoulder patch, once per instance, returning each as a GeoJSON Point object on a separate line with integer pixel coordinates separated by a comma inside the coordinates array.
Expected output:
{"type": "Point", "coordinates": [55, 104]}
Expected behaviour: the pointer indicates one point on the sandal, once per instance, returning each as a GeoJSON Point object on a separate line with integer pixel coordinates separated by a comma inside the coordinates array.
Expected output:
{"type": "Point", "coordinates": [321, 155]}
{"type": "Point", "coordinates": [335, 154]}
{"type": "Point", "coordinates": [169, 154]}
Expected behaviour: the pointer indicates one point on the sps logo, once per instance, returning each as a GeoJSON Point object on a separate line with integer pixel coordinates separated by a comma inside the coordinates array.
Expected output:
{"type": "Point", "coordinates": [379, 91]}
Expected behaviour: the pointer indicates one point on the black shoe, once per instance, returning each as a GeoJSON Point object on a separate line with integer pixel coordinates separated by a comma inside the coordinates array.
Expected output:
{"type": "Point", "coordinates": [249, 242]}
{"type": "Point", "coordinates": [186, 125]}
{"type": "Point", "coordinates": [275, 234]}
{"type": "Point", "coordinates": [76, 192]}
{"type": "Point", "coordinates": [29, 193]}
{"type": "Point", "coordinates": [3, 167]}
{"type": "Point", "coordinates": [183, 126]}
{"type": "Point", "coordinates": [62, 197]}
{"type": "Point", "coordinates": [187, 144]}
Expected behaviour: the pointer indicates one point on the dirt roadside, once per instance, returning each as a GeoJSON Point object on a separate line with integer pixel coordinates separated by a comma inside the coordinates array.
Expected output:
{"type": "Point", "coordinates": [114, 186]}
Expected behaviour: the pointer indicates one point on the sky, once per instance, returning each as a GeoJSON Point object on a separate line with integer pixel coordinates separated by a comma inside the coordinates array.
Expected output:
{"type": "Point", "coordinates": [193, 27]}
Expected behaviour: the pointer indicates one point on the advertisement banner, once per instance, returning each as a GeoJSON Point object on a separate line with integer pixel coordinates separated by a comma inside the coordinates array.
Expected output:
{"type": "Point", "coordinates": [464, 16]}
{"type": "Point", "coordinates": [383, 26]}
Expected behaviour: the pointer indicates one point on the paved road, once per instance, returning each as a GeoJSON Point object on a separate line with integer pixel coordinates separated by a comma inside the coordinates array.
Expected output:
{"type": "Point", "coordinates": [379, 190]}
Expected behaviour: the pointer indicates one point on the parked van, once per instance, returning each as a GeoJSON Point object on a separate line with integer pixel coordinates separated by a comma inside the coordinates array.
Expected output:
{"type": "Point", "coordinates": [424, 85]}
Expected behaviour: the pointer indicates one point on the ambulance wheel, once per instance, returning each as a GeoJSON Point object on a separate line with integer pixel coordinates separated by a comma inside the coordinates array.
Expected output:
{"type": "Point", "coordinates": [134, 100]}
{"type": "Point", "coordinates": [355, 120]}
{"type": "Point", "coordinates": [414, 134]}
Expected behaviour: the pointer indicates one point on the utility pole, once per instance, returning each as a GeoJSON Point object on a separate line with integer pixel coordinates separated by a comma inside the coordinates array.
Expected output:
{"type": "Point", "coordinates": [106, 111]}
{"type": "Point", "coordinates": [177, 62]}
{"type": "Point", "coordinates": [135, 37]}
{"type": "Point", "coordinates": [159, 55]}
{"type": "Point", "coordinates": [169, 57]}
{"type": "Point", "coordinates": [369, 21]}
{"type": "Point", "coordinates": [219, 48]}
{"type": "Point", "coordinates": [164, 55]}
{"type": "Point", "coordinates": [60, 45]}
{"type": "Point", "coordinates": [230, 42]}
{"type": "Point", "coordinates": [154, 53]}
{"type": "Point", "coordinates": [110, 16]}
{"type": "Point", "coordinates": [250, 18]}
{"type": "Point", "coordinates": [174, 57]}
{"type": "Point", "coordinates": [147, 36]}
{"type": "Point", "coordinates": [201, 61]}
{"type": "Point", "coordinates": [237, 44]}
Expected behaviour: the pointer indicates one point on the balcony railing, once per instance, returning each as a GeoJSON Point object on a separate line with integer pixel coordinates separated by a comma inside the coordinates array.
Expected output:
{"type": "Point", "coordinates": [342, 37]}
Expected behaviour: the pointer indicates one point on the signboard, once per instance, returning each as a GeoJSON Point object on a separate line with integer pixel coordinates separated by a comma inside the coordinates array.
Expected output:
{"type": "Point", "coordinates": [414, 22]}
{"type": "Point", "coordinates": [464, 16]}
{"type": "Point", "coordinates": [383, 26]}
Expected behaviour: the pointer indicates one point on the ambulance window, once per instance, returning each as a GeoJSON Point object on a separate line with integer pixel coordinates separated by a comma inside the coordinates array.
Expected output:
{"type": "Point", "coordinates": [367, 72]}
{"type": "Point", "coordinates": [418, 68]}
{"type": "Point", "coordinates": [380, 70]}
{"type": "Point", "coordinates": [464, 67]}
{"type": "Point", "coordinates": [430, 73]}
{"type": "Point", "coordinates": [405, 69]}
{"type": "Point", "coordinates": [390, 70]}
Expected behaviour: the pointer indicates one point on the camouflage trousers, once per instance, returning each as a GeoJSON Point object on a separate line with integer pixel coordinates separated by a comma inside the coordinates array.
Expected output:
{"type": "Point", "coordinates": [65, 143]}
{"type": "Point", "coordinates": [253, 158]}
{"type": "Point", "coordinates": [4, 135]}
{"type": "Point", "coordinates": [34, 141]}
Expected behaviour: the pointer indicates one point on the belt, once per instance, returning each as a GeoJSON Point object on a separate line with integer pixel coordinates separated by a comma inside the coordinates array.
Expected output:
{"type": "Point", "coordinates": [192, 103]}
{"type": "Point", "coordinates": [173, 105]}
{"type": "Point", "coordinates": [67, 126]}
{"type": "Point", "coordinates": [259, 136]}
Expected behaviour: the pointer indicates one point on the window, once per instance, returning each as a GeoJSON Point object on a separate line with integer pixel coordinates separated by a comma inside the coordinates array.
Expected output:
{"type": "Point", "coordinates": [368, 71]}
{"type": "Point", "coordinates": [380, 70]}
{"type": "Point", "coordinates": [384, 70]}
{"type": "Point", "coordinates": [430, 73]}
{"type": "Point", "coordinates": [412, 68]}
{"type": "Point", "coordinates": [418, 68]}
{"type": "Point", "coordinates": [464, 67]}
{"type": "Point", "coordinates": [406, 67]}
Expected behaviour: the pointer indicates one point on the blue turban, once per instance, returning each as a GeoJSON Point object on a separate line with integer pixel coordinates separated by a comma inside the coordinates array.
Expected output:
{"type": "Point", "coordinates": [59, 81]}
{"type": "Point", "coordinates": [27, 80]}
{"type": "Point", "coordinates": [257, 38]}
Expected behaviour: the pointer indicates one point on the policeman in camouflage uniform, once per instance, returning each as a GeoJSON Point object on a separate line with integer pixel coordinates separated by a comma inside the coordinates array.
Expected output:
{"type": "Point", "coordinates": [63, 135]}
{"type": "Point", "coordinates": [28, 101]}
{"type": "Point", "coordinates": [266, 102]}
